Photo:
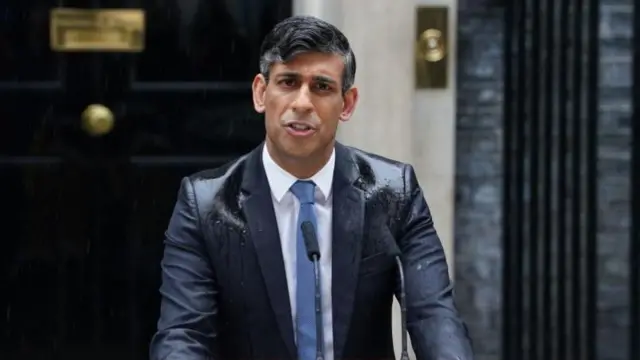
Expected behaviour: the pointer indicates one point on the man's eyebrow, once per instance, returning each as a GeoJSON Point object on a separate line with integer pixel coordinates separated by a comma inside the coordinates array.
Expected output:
{"type": "Point", "coordinates": [288, 74]}
{"type": "Point", "coordinates": [295, 75]}
{"type": "Point", "coordinates": [324, 79]}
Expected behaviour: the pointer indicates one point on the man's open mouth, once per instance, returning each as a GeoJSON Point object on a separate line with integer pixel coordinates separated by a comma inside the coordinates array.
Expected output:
{"type": "Point", "coordinates": [300, 127]}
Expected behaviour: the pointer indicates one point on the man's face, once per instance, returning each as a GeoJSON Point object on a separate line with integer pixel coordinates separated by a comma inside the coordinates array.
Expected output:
{"type": "Point", "coordinates": [303, 104]}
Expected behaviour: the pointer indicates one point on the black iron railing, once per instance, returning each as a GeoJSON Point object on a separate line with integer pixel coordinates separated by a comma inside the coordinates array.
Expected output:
{"type": "Point", "coordinates": [550, 124]}
{"type": "Point", "coordinates": [634, 259]}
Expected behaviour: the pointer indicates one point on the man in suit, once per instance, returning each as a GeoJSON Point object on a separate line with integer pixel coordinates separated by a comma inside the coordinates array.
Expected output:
{"type": "Point", "coordinates": [236, 280]}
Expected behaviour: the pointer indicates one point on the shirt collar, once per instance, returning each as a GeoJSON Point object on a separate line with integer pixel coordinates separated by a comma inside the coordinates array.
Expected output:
{"type": "Point", "coordinates": [280, 181]}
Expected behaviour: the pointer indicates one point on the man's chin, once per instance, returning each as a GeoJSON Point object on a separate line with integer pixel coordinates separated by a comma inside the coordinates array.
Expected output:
{"type": "Point", "coordinates": [300, 155]}
{"type": "Point", "coordinates": [296, 150]}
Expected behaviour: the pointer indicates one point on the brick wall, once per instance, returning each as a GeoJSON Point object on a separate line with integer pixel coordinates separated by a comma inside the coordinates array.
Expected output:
{"type": "Point", "coordinates": [479, 174]}
{"type": "Point", "coordinates": [614, 181]}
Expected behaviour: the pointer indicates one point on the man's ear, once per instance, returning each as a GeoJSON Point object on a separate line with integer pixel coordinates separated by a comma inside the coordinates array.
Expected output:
{"type": "Point", "coordinates": [259, 88]}
{"type": "Point", "coordinates": [350, 101]}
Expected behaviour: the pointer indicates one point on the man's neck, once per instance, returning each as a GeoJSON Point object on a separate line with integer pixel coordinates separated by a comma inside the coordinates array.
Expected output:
{"type": "Point", "coordinates": [300, 168]}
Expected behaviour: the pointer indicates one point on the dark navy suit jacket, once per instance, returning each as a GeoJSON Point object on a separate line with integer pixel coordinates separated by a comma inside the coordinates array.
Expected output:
{"type": "Point", "coordinates": [224, 290]}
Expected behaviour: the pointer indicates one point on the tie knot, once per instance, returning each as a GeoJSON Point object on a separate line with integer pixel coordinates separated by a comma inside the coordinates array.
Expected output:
{"type": "Point", "coordinates": [304, 191]}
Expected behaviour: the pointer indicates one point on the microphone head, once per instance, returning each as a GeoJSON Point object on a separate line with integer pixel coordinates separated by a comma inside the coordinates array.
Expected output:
{"type": "Point", "coordinates": [310, 240]}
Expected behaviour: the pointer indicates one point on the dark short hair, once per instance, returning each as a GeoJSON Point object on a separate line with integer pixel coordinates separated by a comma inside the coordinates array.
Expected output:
{"type": "Point", "coordinates": [301, 34]}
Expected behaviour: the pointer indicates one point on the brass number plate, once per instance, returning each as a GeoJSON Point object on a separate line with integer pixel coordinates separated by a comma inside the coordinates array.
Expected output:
{"type": "Point", "coordinates": [117, 30]}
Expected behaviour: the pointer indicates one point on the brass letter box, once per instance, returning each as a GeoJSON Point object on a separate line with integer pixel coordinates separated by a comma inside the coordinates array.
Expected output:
{"type": "Point", "coordinates": [115, 30]}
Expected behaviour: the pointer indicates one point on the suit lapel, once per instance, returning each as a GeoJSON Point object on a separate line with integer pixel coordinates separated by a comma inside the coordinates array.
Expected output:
{"type": "Point", "coordinates": [258, 210]}
{"type": "Point", "coordinates": [348, 222]}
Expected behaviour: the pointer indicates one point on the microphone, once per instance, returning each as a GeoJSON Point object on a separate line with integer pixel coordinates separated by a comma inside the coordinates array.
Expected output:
{"type": "Point", "coordinates": [310, 240]}
{"type": "Point", "coordinates": [394, 250]}
{"type": "Point", "coordinates": [313, 252]}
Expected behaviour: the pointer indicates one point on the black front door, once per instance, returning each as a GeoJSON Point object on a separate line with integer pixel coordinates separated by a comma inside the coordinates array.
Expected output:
{"type": "Point", "coordinates": [84, 214]}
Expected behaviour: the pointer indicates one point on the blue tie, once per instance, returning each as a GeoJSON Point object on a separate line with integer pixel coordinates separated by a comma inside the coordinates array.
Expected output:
{"type": "Point", "coordinates": [305, 293]}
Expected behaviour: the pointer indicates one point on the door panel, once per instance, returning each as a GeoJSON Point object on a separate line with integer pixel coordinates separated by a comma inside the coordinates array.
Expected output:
{"type": "Point", "coordinates": [85, 215]}
{"type": "Point", "coordinates": [198, 41]}
{"type": "Point", "coordinates": [24, 42]}
{"type": "Point", "coordinates": [190, 28]}
{"type": "Point", "coordinates": [187, 124]}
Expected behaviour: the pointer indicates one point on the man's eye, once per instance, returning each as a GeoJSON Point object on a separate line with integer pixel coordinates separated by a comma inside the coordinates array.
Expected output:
{"type": "Point", "coordinates": [323, 87]}
{"type": "Point", "coordinates": [288, 82]}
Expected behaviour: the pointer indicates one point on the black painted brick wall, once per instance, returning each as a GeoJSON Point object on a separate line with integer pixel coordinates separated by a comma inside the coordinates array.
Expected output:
{"type": "Point", "coordinates": [614, 177]}
{"type": "Point", "coordinates": [478, 253]}
{"type": "Point", "coordinates": [479, 174]}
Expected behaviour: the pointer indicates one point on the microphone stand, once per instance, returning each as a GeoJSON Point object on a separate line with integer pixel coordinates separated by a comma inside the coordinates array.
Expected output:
{"type": "Point", "coordinates": [404, 355]}
{"type": "Point", "coordinates": [313, 253]}
{"type": "Point", "coordinates": [318, 298]}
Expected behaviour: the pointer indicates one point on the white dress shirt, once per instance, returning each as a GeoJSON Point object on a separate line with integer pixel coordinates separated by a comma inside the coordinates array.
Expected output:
{"type": "Point", "coordinates": [286, 207]}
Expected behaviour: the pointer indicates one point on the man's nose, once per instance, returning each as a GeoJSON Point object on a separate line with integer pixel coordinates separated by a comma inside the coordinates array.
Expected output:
{"type": "Point", "coordinates": [302, 102]}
